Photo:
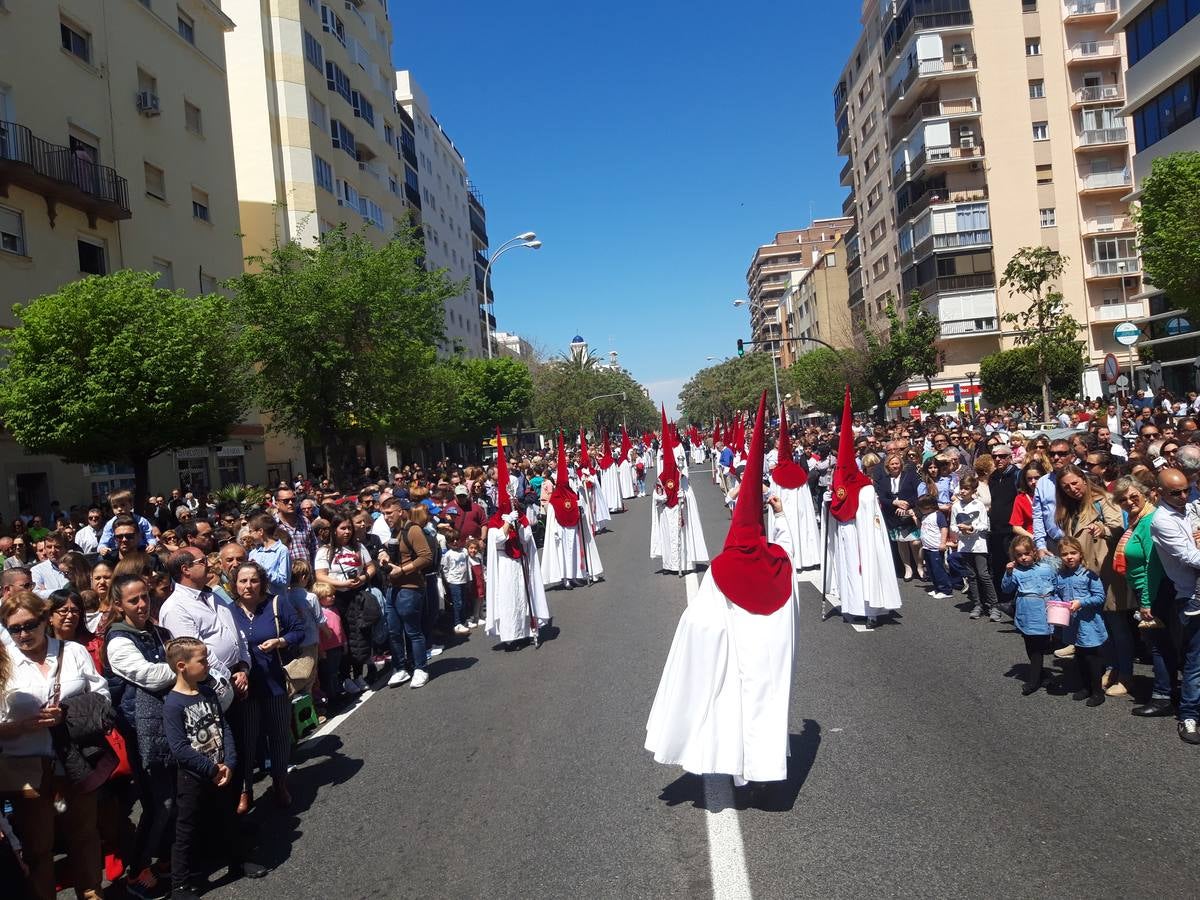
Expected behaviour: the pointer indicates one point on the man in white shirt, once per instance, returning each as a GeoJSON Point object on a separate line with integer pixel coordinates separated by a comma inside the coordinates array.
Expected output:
{"type": "Point", "coordinates": [87, 538]}
{"type": "Point", "coordinates": [46, 577]}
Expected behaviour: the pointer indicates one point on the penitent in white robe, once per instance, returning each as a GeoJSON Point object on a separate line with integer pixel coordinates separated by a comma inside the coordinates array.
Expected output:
{"type": "Point", "coordinates": [513, 587]}
{"type": "Point", "coordinates": [862, 576]}
{"type": "Point", "coordinates": [802, 524]}
{"type": "Point", "coordinates": [597, 508]}
{"type": "Point", "coordinates": [697, 454]}
{"type": "Point", "coordinates": [722, 703]}
{"type": "Point", "coordinates": [680, 550]}
{"type": "Point", "coordinates": [569, 553]}
{"type": "Point", "coordinates": [610, 485]}
{"type": "Point", "coordinates": [625, 479]}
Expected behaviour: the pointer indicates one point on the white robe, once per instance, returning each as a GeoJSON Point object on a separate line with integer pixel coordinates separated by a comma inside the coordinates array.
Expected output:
{"type": "Point", "coordinates": [597, 504]}
{"type": "Point", "coordinates": [697, 454]}
{"type": "Point", "coordinates": [665, 537]}
{"type": "Point", "coordinates": [610, 485]}
{"type": "Point", "coordinates": [625, 479]}
{"type": "Point", "coordinates": [862, 576]}
{"type": "Point", "coordinates": [802, 524]}
{"type": "Point", "coordinates": [561, 551]}
{"type": "Point", "coordinates": [722, 703]}
{"type": "Point", "coordinates": [513, 586]}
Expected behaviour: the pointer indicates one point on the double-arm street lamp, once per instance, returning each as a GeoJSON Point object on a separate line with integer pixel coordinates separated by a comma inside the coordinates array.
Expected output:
{"type": "Point", "coordinates": [527, 240]}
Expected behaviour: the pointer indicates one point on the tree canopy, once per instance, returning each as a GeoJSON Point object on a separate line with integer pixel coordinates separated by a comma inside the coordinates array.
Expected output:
{"type": "Point", "coordinates": [721, 390]}
{"type": "Point", "coordinates": [112, 368]}
{"type": "Point", "coordinates": [1169, 224]}
{"type": "Point", "coordinates": [564, 389]}
{"type": "Point", "coordinates": [820, 378]}
{"type": "Point", "coordinates": [907, 348]}
{"type": "Point", "coordinates": [1014, 377]}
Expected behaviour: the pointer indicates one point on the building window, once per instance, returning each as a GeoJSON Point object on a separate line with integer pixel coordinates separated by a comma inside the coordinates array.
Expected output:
{"type": "Point", "coordinates": [317, 113]}
{"type": "Point", "coordinates": [1045, 174]}
{"type": "Point", "coordinates": [1041, 131]}
{"type": "Point", "coordinates": [12, 231]}
{"type": "Point", "coordinates": [231, 470]}
{"type": "Point", "coordinates": [363, 108]}
{"type": "Point", "coordinates": [193, 119]}
{"type": "Point", "coordinates": [200, 206]}
{"type": "Point", "coordinates": [1037, 89]}
{"type": "Point", "coordinates": [1033, 46]}
{"type": "Point", "coordinates": [331, 24]}
{"type": "Point", "coordinates": [166, 274]}
{"type": "Point", "coordinates": [338, 81]}
{"type": "Point", "coordinates": [1048, 219]}
{"type": "Point", "coordinates": [1028, 6]}
{"type": "Point", "coordinates": [343, 138]}
{"type": "Point", "coordinates": [1156, 24]}
{"type": "Point", "coordinates": [75, 40]}
{"type": "Point", "coordinates": [208, 284]}
{"type": "Point", "coordinates": [323, 172]}
{"type": "Point", "coordinates": [156, 182]}
{"type": "Point", "coordinates": [187, 27]}
{"type": "Point", "coordinates": [92, 258]}
{"type": "Point", "coordinates": [313, 52]}
{"type": "Point", "coordinates": [1168, 111]}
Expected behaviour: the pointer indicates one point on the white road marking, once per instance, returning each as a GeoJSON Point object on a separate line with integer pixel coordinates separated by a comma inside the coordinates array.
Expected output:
{"type": "Point", "coordinates": [858, 626]}
{"type": "Point", "coordinates": [331, 724]}
{"type": "Point", "coordinates": [726, 853]}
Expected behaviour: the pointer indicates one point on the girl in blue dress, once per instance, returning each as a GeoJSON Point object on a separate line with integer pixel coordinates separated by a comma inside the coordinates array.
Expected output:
{"type": "Point", "coordinates": [1031, 578]}
{"type": "Point", "coordinates": [1081, 587]}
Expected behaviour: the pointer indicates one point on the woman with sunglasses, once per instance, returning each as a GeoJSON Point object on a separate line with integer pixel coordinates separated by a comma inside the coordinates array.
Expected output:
{"type": "Point", "coordinates": [1022, 512]}
{"type": "Point", "coordinates": [22, 555]}
{"type": "Point", "coordinates": [43, 672]}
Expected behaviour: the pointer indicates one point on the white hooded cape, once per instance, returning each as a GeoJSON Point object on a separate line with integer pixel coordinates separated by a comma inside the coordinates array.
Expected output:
{"type": "Point", "coordinates": [625, 479]}
{"type": "Point", "coordinates": [597, 503]}
{"type": "Point", "coordinates": [513, 586]}
{"type": "Point", "coordinates": [610, 485]}
{"type": "Point", "coordinates": [862, 576]}
{"type": "Point", "coordinates": [802, 523]}
{"type": "Point", "coordinates": [722, 703]}
{"type": "Point", "coordinates": [561, 551]}
{"type": "Point", "coordinates": [665, 537]}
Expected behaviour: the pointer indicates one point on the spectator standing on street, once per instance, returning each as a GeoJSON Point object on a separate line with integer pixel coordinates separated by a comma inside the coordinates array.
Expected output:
{"type": "Point", "coordinates": [968, 530]}
{"type": "Point", "coordinates": [270, 553]}
{"type": "Point", "coordinates": [1081, 587]}
{"type": "Point", "coordinates": [1031, 577]}
{"type": "Point", "coordinates": [1046, 530]}
{"type": "Point", "coordinates": [302, 543]}
{"type": "Point", "coordinates": [1137, 560]}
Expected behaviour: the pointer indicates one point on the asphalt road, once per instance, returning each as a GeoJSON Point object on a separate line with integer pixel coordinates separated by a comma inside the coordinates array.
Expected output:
{"type": "Point", "coordinates": [917, 769]}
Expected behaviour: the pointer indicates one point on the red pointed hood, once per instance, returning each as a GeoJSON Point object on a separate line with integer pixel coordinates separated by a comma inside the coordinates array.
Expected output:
{"type": "Point", "coordinates": [503, 500]}
{"type": "Point", "coordinates": [563, 499]}
{"type": "Point", "coordinates": [606, 460]}
{"type": "Point", "coordinates": [585, 459]}
{"type": "Point", "coordinates": [716, 434]}
{"type": "Point", "coordinates": [626, 444]}
{"type": "Point", "coordinates": [787, 472]}
{"type": "Point", "coordinates": [669, 476]}
{"type": "Point", "coordinates": [848, 478]}
{"type": "Point", "coordinates": [751, 573]}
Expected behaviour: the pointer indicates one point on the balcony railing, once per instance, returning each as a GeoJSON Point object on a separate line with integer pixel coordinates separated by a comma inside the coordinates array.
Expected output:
{"type": "Point", "coordinates": [845, 173]}
{"type": "Point", "coordinates": [1107, 268]}
{"type": "Point", "coordinates": [480, 260]}
{"type": "Point", "coordinates": [956, 19]}
{"type": "Point", "coordinates": [413, 195]}
{"type": "Point", "coordinates": [1105, 224]}
{"type": "Point", "coordinates": [1089, 50]}
{"type": "Point", "coordinates": [947, 284]}
{"type": "Point", "coordinates": [61, 175]}
{"type": "Point", "coordinates": [934, 109]}
{"type": "Point", "coordinates": [1096, 93]}
{"type": "Point", "coordinates": [957, 239]}
{"type": "Point", "coordinates": [969, 327]}
{"type": "Point", "coordinates": [943, 155]}
{"type": "Point", "coordinates": [1090, 7]}
{"type": "Point", "coordinates": [478, 226]}
{"type": "Point", "coordinates": [848, 205]}
{"type": "Point", "coordinates": [1100, 180]}
{"type": "Point", "coordinates": [1119, 312]}
{"type": "Point", "coordinates": [935, 196]}
{"type": "Point", "coordinates": [1095, 136]}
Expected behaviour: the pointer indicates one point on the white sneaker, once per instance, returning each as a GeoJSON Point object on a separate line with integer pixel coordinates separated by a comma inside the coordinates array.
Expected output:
{"type": "Point", "coordinates": [399, 678]}
{"type": "Point", "coordinates": [419, 678]}
{"type": "Point", "coordinates": [436, 650]}
{"type": "Point", "coordinates": [938, 595]}
{"type": "Point", "coordinates": [478, 623]}
{"type": "Point", "coordinates": [470, 623]}
{"type": "Point", "coordinates": [462, 629]}
{"type": "Point", "coordinates": [350, 686]}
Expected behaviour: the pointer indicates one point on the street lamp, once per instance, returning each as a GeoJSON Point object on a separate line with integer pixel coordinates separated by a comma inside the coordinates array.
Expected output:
{"type": "Point", "coordinates": [774, 367]}
{"type": "Point", "coordinates": [526, 239]}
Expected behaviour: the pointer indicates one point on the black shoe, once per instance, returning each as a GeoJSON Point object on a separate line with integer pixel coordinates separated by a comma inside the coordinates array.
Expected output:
{"type": "Point", "coordinates": [184, 892]}
{"type": "Point", "coordinates": [1095, 699]}
{"type": "Point", "coordinates": [247, 870]}
{"type": "Point", "coordinates": [1188, 731]}
{"type": "Point", "coordinates": [1081, 694]}
{"type": "Point", "coordinates": [871, 623]}
{"type": "Point", "coordinates": [1154, 709]}
{"type": "Point", "coordinates": [568, 585]}
{"type": "Point", "coordinates": [1029, 687]}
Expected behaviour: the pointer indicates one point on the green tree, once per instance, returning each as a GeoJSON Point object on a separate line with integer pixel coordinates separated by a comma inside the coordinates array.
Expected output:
{"type": "Point", "coordinates": [1014, 377]}
{"type": "Point", "coordinates": [1043, 326]}
{"type": "Point", "coordinates": [492, 392]}
{"type": "Point", "coordinates": [1168, 222]}
{"type": "Point", "coordinates": [721, 390]}
{"type": "Point", "coordinates": [343, 336]}
{"type": "Point", "coordinates": [929, 402]}
{"type": "Point", "coordinates": [114, 369]}
{"type": "Point", "coordinates": [907, 348]}
{"type": "Point", "coordinates": [820, 378]}
{"type": "Point", "coordinates": [564, 392]}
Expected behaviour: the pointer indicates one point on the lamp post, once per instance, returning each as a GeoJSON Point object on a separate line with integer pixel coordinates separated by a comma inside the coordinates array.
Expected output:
{"type": "Point", "coordinates": [527, 239]}
{"type": "Point", "coordinates": [971, 395]}
{"type": "Point", "coordinates": [774, 367]}
{"type": "Point", "coordinates": [620, 394]}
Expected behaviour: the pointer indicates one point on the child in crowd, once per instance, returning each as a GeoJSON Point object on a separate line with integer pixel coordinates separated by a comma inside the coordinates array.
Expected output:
{"type": "Point", "coordinates": [475, 560]}
{"type": "Point", "coordinates": [302, 671]}
{"type": "Point", "coordinates": [969, 530]}
{"type": "Point", "coordinates": [331, 645]}
{"type": "Point", "coordinates": [934, 533]}
{"type": "Point", "coordinates": [456, 570]}
{"type": "Point", "coordinates": [640, 475]}
{"type": "Point", "coordinates": [1081, 587]}
{"type": "Point", "coordinates": [1032, 580]}
{"type": "Point", "coordinates": [202, 744]}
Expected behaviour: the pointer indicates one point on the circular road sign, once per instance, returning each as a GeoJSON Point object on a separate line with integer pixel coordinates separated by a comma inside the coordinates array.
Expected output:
{"type": "Point", "coordinates": [1111, 369]}
{"type": "Point", "coordinates": [1123, 382]}
{"type": "Point", "coordinates": [1127, 333]}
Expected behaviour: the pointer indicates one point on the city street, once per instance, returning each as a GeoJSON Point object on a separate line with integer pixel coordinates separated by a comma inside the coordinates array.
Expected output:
{"type": "Point", "coordinates": [917, 769]}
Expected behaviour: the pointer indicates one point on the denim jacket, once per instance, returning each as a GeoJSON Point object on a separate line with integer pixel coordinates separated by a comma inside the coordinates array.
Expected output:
{"type": "Point", "coordinates": [1087, 626]}
{"type": "Point", "coordinates": [1032, 587]}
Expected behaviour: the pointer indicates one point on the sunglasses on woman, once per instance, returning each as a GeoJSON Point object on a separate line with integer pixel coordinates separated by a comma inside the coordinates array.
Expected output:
{"type": "Point", "coordinates": [27, 628]}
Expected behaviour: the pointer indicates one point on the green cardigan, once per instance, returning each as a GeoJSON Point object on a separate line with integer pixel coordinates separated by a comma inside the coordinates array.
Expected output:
{"type": "Point", "coordinates": [1143, 569]}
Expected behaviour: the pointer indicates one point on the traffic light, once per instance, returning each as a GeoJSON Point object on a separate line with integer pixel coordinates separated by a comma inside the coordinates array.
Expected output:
{"type": "Point", "coordinates": [741, 347]}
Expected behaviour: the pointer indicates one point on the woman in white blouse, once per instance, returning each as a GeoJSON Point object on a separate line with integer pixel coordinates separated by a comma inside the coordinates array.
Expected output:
{"type": "Point", "coordinates": [43, 671]}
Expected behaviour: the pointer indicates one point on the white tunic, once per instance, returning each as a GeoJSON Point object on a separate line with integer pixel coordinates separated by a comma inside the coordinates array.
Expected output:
{"type": "Point", "coordinates": [625, 479]}
{"type": "Point", "coordinates": [862, 577]}
{"type": "Point", "coordinates": [562, 554]}
{"type": "Point", "coordinates": [722, 703]}
{"type": "Point", "coordinates": [597, 504]}
{"type": "Point", "coordinates": [802, 523]}
{"type": "Point", "coordinates": [610, 486]}
{"type": "Point", "coordinates": [680, 549]}
{"type": "Point", "coordinates": [511, 585]}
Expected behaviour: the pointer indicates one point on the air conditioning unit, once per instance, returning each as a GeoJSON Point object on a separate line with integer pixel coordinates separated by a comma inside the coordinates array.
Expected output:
{"type": "Point", "coordinates": [958, 53]}
{"type": "Point", "coordinates": [147, 104]}
{"type": "Point", "coordinates": [967, 142]}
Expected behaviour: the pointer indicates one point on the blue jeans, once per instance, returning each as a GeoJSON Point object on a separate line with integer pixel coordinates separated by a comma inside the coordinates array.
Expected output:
{"type": "Point", "coordinates": [1164, 642]}
{"type": "Point", "coordinates": [935, 565]}
{"type": "Point", "coordinates": [458, 596]}
{"type": "Point", "coordinates": [1121, 650]}
{"type": "Point", "coordinates": [1189, 691]}
{"type": "Point", "coordinates": [405, 608]}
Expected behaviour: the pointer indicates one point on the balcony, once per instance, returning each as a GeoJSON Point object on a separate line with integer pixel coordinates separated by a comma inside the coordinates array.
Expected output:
{"type": "Point", "coordinates": [413, 195]}
{"type": "Point", "coordinates": [846, 176]}
{"type": "Point", "coordinates": [937, 195]}
{"type": "Point", "coordinates": [1098, 93]}
{"type": "Point", "coordinates": [948, 284]}
{"type": "Point", "coordinates": [925, 72]}
{"type": "Point", "coordinates": [478, 226]}
{"type": "Point", "coordinates": [1106, 181]}
{"type": "Point", "coordinates": [941, 21]}
{"type": "Point", "coordinates": [1107, 225]}
{"type": "Point", "coordinates": [945, 157]}
{"type": "Point", "coordinates": [1113, 268]}
{"type": "Point", "coordinates": [966, 314]}
{"type": "Point", "coordinates": [1101, 137]}
{"type": "Point", "coordinates": [1118, 312]}
{"type": "Point", "coordinates": [848, 205]}
{"type": "Point", "coordinates": [937, 109]}
{"type": "Point", "coordinates": [958, 328]}
{"type": "Point", "coordinates": [60, 176]}
{"type": "Point", "coordinates": [1090, 51]}
{"type": "Point", "coordinates": [843, 133]}
{"type": "Point", "coordinates": [1081, 10]}
{"type": "Point", "coordinates": [480, 260]}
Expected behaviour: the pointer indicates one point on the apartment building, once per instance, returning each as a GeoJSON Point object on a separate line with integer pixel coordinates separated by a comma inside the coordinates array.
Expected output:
{"type": "Point", "coordinates": [511, 344]}
{"type": "Point", "coordinates": [115, 153]}
{"type": "Point", "coordinates": [818, 305]}
{"type": "Point", "coordinates": [772, 270]}
{"type": "Point", "coordinates": [1013, 141]}
{"type": "Point", "coordinates": [1162, 38]}
{"type": "Point", "coordinates": [453, 218]}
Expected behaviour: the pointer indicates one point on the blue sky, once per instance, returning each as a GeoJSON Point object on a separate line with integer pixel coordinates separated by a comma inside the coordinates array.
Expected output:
{"type": "Point", "coordinates": [652, 147]}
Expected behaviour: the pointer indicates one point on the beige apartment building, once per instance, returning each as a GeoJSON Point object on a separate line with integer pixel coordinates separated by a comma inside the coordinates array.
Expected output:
{"type": "Point", "coordinates": [115, 153]}
{"type": "Point", "coordinates": [774, 269]}
{"type": "Point", "coordinates": [994, 144]}
{"type": "Point", "coordinates": [817, 305]}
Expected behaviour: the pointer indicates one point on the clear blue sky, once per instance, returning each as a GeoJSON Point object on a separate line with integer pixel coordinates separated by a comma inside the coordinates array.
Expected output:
{"type": "Point", "coordinates": [652, 147]}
